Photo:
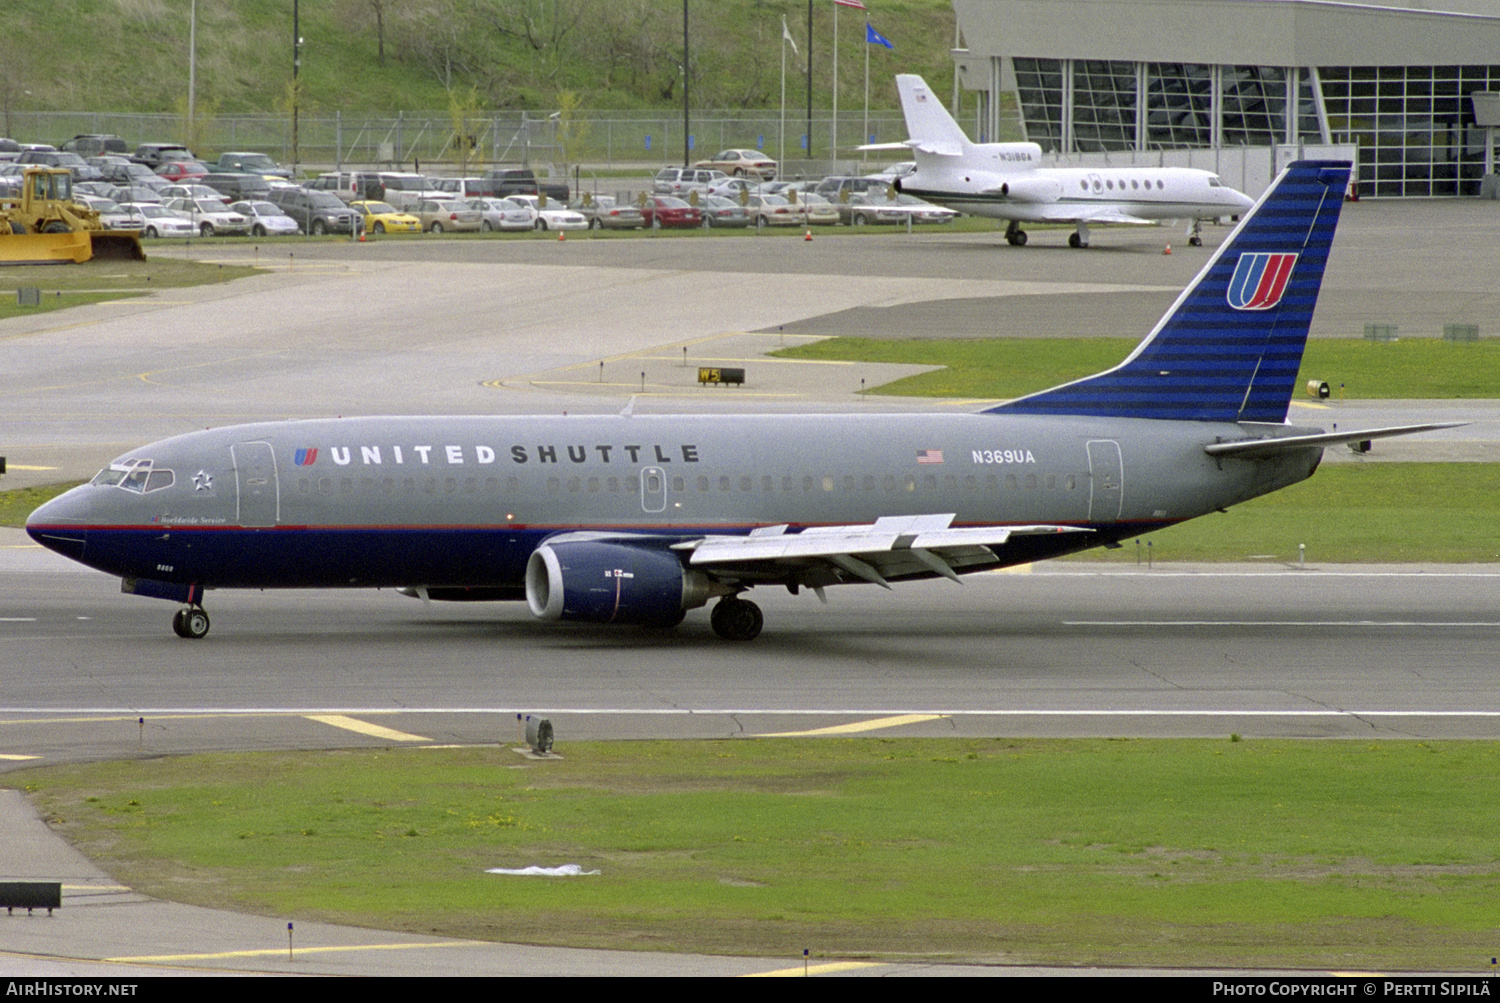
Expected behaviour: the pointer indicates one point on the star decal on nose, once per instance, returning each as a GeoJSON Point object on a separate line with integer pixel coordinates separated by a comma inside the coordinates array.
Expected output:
{"type": "Point", "coordinates": [203, 481]}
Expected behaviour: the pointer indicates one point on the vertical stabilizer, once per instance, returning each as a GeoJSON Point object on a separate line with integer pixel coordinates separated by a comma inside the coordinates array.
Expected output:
{"type": "Point", "coordinates": [1230, 347]}
{"type": "Point", "coordinates": [928, 124]}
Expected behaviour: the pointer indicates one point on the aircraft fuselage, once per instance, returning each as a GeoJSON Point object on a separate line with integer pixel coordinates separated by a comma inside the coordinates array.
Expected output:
{"type": "Point", "coordinates": [462, 502]}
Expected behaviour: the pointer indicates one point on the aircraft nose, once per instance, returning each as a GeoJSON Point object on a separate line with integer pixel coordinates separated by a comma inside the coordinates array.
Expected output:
{"type": "Point", "coordinates": [59, 525]}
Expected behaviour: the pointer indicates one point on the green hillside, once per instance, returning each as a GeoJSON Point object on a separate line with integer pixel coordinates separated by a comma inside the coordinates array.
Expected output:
{"type": "Point", "coordinates": [385, 55]}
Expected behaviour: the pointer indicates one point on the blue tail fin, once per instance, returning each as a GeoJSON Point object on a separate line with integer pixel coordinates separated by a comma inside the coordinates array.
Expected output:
{"type": "Point", "coordinates": [1230, 347]}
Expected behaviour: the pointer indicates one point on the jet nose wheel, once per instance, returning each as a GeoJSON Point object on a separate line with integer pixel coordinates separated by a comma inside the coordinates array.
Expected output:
{"type": "Point", "coordinates": [192, 623]}
{"type": "Point", "coordinates": [736, 619]}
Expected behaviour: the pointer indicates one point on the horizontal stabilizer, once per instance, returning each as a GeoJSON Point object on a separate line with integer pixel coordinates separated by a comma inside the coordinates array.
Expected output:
{"type": "Point", "coordinates": [903, 145]}
{"type": "Point", "coordinates": [1254, 449]}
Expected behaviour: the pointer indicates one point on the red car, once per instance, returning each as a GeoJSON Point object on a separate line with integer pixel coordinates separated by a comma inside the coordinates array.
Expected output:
{"type": "Point", "coordinates": [670, 211]}
{"type": "Point", "coordinates": [182, 170]}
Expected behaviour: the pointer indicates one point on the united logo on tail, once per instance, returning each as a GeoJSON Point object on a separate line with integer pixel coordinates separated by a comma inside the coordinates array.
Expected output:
{"type": "Point", "coordinates": [1259, 280]}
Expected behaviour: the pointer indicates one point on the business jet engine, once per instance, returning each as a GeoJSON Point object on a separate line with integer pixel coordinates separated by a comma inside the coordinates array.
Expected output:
{"type": "Point", "coordinates": [1031, 189]}
{"type": "Point", "coordinates": [613, 581]}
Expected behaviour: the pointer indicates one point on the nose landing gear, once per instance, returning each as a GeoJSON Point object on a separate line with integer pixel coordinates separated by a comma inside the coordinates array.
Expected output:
{"type": "Point", "coordinates": [190, 622]}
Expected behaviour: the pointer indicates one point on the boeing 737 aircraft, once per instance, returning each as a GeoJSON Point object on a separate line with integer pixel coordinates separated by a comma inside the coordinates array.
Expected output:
{"type": "Point", "coordinates": [1007, 181]}
{"type": "Point", "coordinates": [637, 519]}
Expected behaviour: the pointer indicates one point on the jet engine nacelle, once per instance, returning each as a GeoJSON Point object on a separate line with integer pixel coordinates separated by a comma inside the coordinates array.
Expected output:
{"type": "Point", "coordinates": [1031, 189]}
{"type": "Point", "coordinates": [603, 581]}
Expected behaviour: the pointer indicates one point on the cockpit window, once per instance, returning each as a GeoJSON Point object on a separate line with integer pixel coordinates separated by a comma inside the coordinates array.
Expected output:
{"type": "Point", "coordinates": [139, 476]}
{"type": "Point", "coordinates": [1214, 182]}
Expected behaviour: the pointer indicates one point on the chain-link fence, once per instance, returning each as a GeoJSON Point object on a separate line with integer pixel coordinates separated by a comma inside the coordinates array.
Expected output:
{"type": "Point", "coordinates": [444, 142]}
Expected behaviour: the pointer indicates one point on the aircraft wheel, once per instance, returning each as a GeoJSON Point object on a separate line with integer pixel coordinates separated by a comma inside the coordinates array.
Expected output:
{"type": "Point", "coordinates": [736, 619]}
{"type": "Point", "coordinates": [190, 623]}
{"type": "Point", "coordinates": [1195, 241]}
{"type": "Point", "coordinates": [1017, 239]}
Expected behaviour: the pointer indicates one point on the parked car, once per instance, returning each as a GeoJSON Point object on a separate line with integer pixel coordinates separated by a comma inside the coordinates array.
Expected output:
{"type": "Point", "coordinates": [741, 163]}
{"type": "Point", "coordinates": [153, 155]}
{"type": "Point", "coordinates": [210, 216]}
{"type": "Point", "coordinates": [81, 169]}
{"type": "Point", "coordinates": [192, 191]}
{"type": "Point", "coordinates": [403, 189]}
{"type": "Point", "coordinates": [446, 215]}
{"type": "Point", "coordinates": [773, 210]}
{"type": "Point", "coordinates": [238, 186]}
{"type": "Point", "coordinates": [128, 172]}
{"type": "Point", "coordinates": [553, 215]}
{"type": "Point", "coordinates": [603, 212]}
{"type": "Point", "coordinates": [96, 144]}
{"type": "Point", "coordinates": [681, 180]}
{"type": "Point", "coordinates": [250, 163]}
{"type": "Point", "coordinates": [722, 212]}
{"type": "Point", "coordinates": [111, 215]}
{"type": "Point", "coordinates": [382, 217]}
{"type": "Point", "coordinates": [503, 214]}
{"type": "Point", "coordinates": [182, 170]}
{"type": "Point", "coordinates": [159, 221]}
{"type": "Point", "coordinates": [316, 212]}
{"type": "Point", "coordinates": [670, 211]}
{"type": "Point", "coordinates": [266, 219]}
{"type": "Point", "coordinates": [508, 181]}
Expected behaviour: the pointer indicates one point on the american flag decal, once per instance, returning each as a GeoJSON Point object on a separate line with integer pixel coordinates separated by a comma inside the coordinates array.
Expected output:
{"type": "Point", "coordinates": [929, 456]}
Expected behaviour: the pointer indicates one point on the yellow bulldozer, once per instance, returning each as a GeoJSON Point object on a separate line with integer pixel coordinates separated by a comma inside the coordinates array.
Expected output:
{"type": "Point", "coordinates": [44, 225]}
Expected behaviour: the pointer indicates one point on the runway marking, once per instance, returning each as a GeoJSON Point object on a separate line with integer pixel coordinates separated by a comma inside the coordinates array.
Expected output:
{"type": "Point", "coordinates": [12, 757]}
{"type": "Point", "coordinates": [857, 726]}
{"type": "Point", "coordinates": [281, 952]}
{"type": "Point", "coordinates": [1280, 623]}
{"type": "Point", "coordinates": [824, 969]}
{"type": "Point", "coordinates": [365, 728]}
{"type": "Point", "coordinates": [95, 717]}
{"type": "Point", "coordinates": [17, 619]}
{"type": "Point", "coordinates": [22, 466]}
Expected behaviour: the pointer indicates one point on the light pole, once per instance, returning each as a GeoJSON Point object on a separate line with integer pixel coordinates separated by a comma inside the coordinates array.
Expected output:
{"type": "Point", "coordinates": [296, 88]}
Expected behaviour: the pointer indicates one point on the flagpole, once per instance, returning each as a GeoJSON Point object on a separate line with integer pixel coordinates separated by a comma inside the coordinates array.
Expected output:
{"type": "Point", "coordinates": [865, 138]}
{"type": "Point", "coordinates": [781, 149]}
{"type": "Point", "coordinates": [833, 150]}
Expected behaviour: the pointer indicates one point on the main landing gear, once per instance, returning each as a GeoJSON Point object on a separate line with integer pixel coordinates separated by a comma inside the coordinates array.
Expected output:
{"type": "Point", "coordinates": [190, 621]}
{"type": "Point", "coordinates": [736, 619]}
{"type": "Point", "coordinates": [1195, 238]}
{"type": "Point", "coordinates": [1014, 235]}
{"type": "Point", "coordinates": [1079, 237]}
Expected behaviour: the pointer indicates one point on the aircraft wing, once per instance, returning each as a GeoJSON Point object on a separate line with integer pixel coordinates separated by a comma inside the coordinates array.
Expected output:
{"type": "Point", "coordinates": [889, 547]}
{"type": "Point", "coordinates": [1088, 214]}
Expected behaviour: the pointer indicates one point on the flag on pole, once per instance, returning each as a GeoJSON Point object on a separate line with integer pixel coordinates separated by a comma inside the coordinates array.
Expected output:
{"type": "Point", "coordinates": [873, 37]}
{"type": "Point", "coordinates": [786, 35]}
{"type": "Point", "coordinates": [851, 3]}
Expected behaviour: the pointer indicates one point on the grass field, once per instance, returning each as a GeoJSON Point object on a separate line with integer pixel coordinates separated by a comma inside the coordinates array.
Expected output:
{"type": "Point", "coordinates": [1010, 367]}
{"type": "Point", "coordinates": [1202, 853]}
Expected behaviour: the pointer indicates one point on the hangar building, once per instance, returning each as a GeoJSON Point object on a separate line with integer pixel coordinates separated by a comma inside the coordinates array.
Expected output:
{"type": "Point", "coordinates": [1392, 77]}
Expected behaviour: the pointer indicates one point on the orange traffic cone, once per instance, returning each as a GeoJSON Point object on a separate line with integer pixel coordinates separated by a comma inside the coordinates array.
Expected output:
{"type": "Point", "coordinates": [561, 236]}
{"type": "Point", "coordinates": [1168, 250]}
{"type": "Point", "coordinates": [808, 235]}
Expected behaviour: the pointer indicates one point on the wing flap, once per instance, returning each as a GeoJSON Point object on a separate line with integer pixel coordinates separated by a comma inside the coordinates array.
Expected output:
{"type": "Point", "coordinates": [893, 545]}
